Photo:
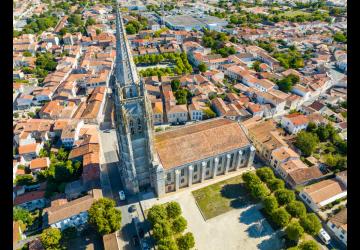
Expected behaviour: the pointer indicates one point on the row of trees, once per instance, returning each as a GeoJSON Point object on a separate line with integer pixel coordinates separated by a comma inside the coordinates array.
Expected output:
{"type": "Point", "coordinates": [168, 226]}
{"type": "Point", "coordinates": [280, 204]}
{"type": "Point", "coordinates": [182, 65]}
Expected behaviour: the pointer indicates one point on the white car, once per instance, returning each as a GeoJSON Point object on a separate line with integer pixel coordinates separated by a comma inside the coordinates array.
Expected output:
{"type": "Point", "coordinates": [324, 236]}
{"type": "Point", "coordinates": [122, 195]}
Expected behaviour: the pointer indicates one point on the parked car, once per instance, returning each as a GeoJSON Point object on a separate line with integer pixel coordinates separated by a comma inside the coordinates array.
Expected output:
{"type": "Point", "coordinates": [122, 195]}
{"type": "Point", "coordinates": [324, 236]}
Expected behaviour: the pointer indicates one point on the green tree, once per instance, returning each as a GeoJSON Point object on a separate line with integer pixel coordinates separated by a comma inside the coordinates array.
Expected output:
{"type": "Point", "coordinates": [340, 37]}
{"type": "Point", "coordinates": [250, 178]}
{"type": "Point", "coordinates": [309, 245]}
{"type": "Point", "coordinates": [270, 204]}
{"type": "Point", "coordinates": [265, 174]}
{"type": "Point", "coordinates": [156, 213]}
{"type": "Point", "coordinates": [104, 216]}
{"type": "Point", "coordinates": [161, 229]}
{"type": "Point", "coordinates": [181, 96]}
{"type": "Point", "coordinates": [175, 84]}
{"type": "Point", "coordinates": [281, 217]}
{"type": "Point", "coordinates": [296, 209]}
{"type": "Point", "coordinates": [24, 180]}
{"type": "Point", "coordinates": [259, 190]}
{"type": "Point", "coordinates": [311, 127]}
{"type": "Point", "coordinates": [75, 19]}
{"type": "Point", "coordinates": [50, 238]}
{"type": "Point", "coordinates": [27, 54]}
{"type": "Point", "coordinates": [284, 196]}
{"type": "Point", "coordinates": [202, 67]}
{"type": "Point", "coordinates": [276, 184]}
{"type": "Point", "coordinates": [311, 224]}
{"type": "Point", "coordinates": [306, 142]}
{"type": "Point", "coordinates": [294, 231]}
{"type": "Point", "coordinates": [186, 242]}
{"type": "Point", "coordinates": [90, 21]}
{"type": "Point", "coordinates": [209, 113]}
{"type": "Point", "coordinates": [20, 214]}
{"type": "Point", "coordinates": [256, 66]}
{"type": "Point", "coordinates": [179, 224]}
{"type": "Point", "coordinates": [173, 210]}
{"type": "Point", "coordinates": [130, 29]}
{"type": "Point", "coordinates": [167, 243]}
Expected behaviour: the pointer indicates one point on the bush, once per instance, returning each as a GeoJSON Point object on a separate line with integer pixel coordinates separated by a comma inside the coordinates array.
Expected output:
{"type": "Point", "coordinates": [179, 224]}
{"type": "Point", "coordinates": [202, 67]}
{"type": "Point", "coordinates": [311, 224]}
{"type": "Point", "coordinates": [156, 213]}
{"type": "Point", "coordinates": [284, 196]}
{"type": "Point", "coordinates": [296, 209]}
{"type": "Point", "coordinates": [276, 184]}
{"type": "Point", "coordinates": [281, 217]}
{"type": "Point", "coordinates": [265, 174]}
{"type": "Point", "coordinates": [270, 204]}
{"type": "Point", "coordinates": [186, 241]}
{"type": "Point", "coordinates": [294, 231]}
{"type": "Point", "coordinates": [24, 180]}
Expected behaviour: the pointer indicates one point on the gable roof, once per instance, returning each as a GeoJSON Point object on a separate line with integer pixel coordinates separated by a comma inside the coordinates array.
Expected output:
{"type": "Point", "coordinates": [199, 141]}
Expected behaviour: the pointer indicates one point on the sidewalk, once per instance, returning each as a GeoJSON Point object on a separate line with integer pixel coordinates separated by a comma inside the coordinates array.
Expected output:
{"type": "Point", "coordinates": [147, 204]}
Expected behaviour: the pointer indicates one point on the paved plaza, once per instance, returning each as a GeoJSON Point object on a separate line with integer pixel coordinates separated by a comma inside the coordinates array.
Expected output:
{"type": "Point", "coordinates": [239, 228]}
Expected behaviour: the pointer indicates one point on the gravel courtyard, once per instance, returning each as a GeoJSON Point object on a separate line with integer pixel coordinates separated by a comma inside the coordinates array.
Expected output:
{"type": "Point", "coordinates": [235, 229]}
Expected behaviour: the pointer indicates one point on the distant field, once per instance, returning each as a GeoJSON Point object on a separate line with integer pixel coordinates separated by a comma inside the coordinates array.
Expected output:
{"type": "Point", "coordinates": [221, 197]}
{"type": "Point", "coordinates": [295, 13]}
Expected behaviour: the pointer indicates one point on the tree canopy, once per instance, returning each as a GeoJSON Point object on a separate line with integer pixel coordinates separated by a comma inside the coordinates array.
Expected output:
{"type": "Point", "coordinates": [281, 217]}
{"type": "Point", "coordinates": [270, 204]}
{"type": "Point", "coordinates": [294, 231]}
{"type": "Point", "coordinates": [50, 238]}
{"type": "Point", "coordinates": [296, 209]}
{"type": "Point", "coordinates": [306, 142]}
{"type": "Point", "coordinates": [186, 242]}
{"type": "Point", "coordinates": [284, 196]}
{"type": "Point", "coordinates": [265, 174]}
{"type": "Point", "coordinates": [202, 67]}
{"type": "Point", "coordinates": [311, 224]}
{"type": "Point", "coordinates": [104, 216]}
{"type": "Point", "coordinates": [275, 184]}
{"type": "Point", "coordinates": [21, 214]}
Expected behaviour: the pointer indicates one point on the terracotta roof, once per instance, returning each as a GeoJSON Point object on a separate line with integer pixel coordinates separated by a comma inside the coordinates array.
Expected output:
{"type": "Point", "coordinates": [324, 190]}
{"type": "Point", "coordinates": [83, 150]}
{"type": "Point", "coordinates": [74, 207]}
{"type": "Point", "coordinates": [297, 119]}
{"type": "Point", "coordinates": [284, 153]}
{"type": "Point", "coordinates": [43, 162]}
{"type": "Point", "coordinates": [302, 175]}
{"type": "Point", "coordinates": [30, 196]}
{"type": "Point", "coordinates": [317, 105]}
{"type": "Point", "coordinates": [340, 219]}
{"type": "Point", "coordinates": [16, 232]}
{"type": "Point", "coordinates": [29, 148]}
{"type": "Point", "coordinates": [198, 141]}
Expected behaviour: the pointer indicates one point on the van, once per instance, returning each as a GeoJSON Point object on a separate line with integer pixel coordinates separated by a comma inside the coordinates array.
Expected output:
{"type": "Point", "coordinates": [324, 236]}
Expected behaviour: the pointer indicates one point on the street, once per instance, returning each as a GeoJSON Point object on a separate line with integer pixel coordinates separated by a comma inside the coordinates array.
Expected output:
{"type": "Point", "coordinates": [111, 185]}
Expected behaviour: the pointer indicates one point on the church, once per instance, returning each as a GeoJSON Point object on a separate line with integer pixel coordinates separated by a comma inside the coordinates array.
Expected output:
{"type": "Point", "coordinates": [172, 159]}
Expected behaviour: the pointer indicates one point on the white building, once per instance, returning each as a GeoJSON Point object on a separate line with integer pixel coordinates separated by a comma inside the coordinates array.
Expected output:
{"type": "Point", "coordinates": [322, 193]}
{"type": "Point", "coordinates": [338, 225]}
{"type": "Point", "coordinates": [71, 214]}
{"type": "Point", "coordinates": [294, 123]}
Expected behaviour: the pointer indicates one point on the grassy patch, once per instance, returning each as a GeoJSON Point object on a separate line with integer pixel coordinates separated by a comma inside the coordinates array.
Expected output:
{"type": "Point", "coordinates": [295, 13]}
{"type": "Point", "coordinates": [222, 197]}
